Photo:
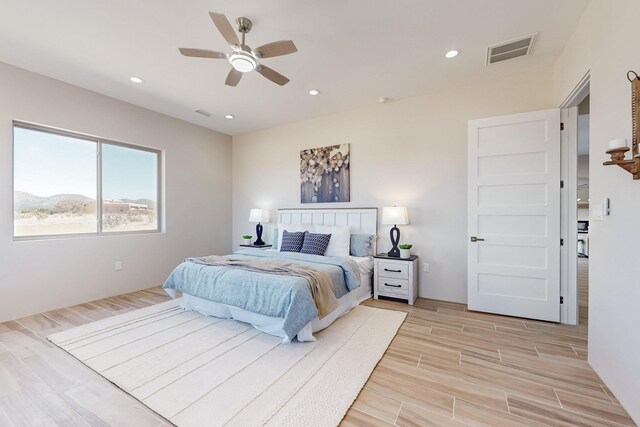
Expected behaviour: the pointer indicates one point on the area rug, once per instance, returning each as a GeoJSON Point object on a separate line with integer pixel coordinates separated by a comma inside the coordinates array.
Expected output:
{"type": "Point", "coordinates": [198, 370]}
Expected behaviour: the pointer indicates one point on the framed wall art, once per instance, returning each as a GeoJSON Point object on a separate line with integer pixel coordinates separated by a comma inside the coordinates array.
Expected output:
{"type": "Point", "coordinates": [324, 174]}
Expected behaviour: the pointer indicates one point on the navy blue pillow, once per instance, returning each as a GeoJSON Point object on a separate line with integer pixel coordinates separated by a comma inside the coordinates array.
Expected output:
{"type": "Point", "coordinates": [292, 242]}
{"type": "Point", "coordinates": [315, 243]}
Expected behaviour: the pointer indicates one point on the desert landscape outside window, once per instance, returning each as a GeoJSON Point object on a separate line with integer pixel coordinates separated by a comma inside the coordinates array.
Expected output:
{"type": "Point", "coordinates": [71, 184]}
{"type": "Point", "coordinates": [129, 189]}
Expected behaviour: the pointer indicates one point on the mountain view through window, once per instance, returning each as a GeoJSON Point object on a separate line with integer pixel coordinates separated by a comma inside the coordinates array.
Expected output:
{"type": "Point", "coordinates": [57, 182]}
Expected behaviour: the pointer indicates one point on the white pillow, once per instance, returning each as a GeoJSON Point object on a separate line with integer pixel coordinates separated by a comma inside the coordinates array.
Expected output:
{"type": "Point", "coordinates": [340, 239]}
{"type": "Point", "coordinates": [291, 228]}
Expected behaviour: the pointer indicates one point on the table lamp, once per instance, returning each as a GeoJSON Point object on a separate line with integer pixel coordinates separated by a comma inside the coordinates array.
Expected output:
{"type": "Point", "coordinates": [259, 215]}
{"type": "Point", "coordinates": [394, 215]}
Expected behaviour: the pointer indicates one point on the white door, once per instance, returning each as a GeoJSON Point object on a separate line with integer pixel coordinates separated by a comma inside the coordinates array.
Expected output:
{"type": "Point", "coordinates": [514, 215]}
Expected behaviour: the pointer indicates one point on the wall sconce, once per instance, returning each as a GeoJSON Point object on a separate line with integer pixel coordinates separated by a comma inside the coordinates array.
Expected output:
{"type": "Point", "coordinates": [618, 147]}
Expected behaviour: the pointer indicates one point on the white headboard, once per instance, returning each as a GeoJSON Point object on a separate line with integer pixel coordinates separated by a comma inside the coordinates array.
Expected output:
{"type": "Point", "coordinates": [359, 220]}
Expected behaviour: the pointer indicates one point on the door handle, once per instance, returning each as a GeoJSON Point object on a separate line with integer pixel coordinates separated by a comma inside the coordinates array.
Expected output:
{"type": "Point", "coordinates": [393, 286]}
{"type": "Point", "coordinates": [475, 239]}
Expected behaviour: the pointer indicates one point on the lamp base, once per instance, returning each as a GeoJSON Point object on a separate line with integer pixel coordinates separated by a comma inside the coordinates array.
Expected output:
{"type": "Point", "coordinates": [395, 239]}
{"type": "Point", "coordinates": [258, 235]}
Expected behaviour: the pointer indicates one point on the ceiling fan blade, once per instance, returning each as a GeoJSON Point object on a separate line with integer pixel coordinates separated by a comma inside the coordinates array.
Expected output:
{"type": "Point", "coordinates": [279, 48]}
{"type": "Point", "coordinates": [233, 77]}
{"type": "Point", "coordinates": [272, 75]}
{"type": "Point", "coordinates": [225, 28]}
{"type": "Point", "coordinates": [202, 53]}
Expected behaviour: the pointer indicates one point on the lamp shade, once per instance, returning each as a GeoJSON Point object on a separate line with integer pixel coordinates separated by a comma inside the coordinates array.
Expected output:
{"type": "Point", "coordinates": [395, 215]}
{"type": "Point", "coordinates": [259, 215]}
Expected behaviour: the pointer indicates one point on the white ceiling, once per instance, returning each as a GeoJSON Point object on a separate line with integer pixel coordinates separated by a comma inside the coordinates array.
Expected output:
{"type": "Point", "coordinates": [353, 51]}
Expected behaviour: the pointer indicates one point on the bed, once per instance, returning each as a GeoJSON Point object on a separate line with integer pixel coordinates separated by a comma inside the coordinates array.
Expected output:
{"type": "Point", "coordinates": [278, 305]}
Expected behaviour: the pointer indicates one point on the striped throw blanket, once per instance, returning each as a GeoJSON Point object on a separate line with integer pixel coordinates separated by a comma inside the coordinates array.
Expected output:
{"type": "Point", "coordinates": [320, 282]}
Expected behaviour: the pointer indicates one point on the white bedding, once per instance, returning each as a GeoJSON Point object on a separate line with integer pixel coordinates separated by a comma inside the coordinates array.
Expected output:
{"type": "Point", "coordinates": [365, 263]}
{"type": "Point", "coordinates": [273, 325]}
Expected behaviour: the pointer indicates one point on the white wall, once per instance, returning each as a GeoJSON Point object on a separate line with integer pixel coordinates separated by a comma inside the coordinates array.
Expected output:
{"type": "Point", "coordinates": [41, 275]}
{"type": "Point", "coordinates": [411, 152]}
{"type": "Point", "coordinates": [606, 42]}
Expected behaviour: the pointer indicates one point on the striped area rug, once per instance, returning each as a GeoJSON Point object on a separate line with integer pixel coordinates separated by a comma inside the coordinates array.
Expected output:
{"type": "Point", "coordinates": [198, 370]}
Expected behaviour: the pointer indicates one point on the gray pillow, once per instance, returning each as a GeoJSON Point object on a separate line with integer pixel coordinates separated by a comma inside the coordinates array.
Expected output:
{"type": "Point", "coordinates": [362, 244]}
{"type": "Point", "coordinates": [274, 241]}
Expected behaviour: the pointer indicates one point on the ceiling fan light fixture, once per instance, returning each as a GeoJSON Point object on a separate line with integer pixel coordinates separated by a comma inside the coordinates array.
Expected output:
{"type": "Point", "coordinates": [243, 59]}
{"type": "Point", "coordinates": [243, 62]}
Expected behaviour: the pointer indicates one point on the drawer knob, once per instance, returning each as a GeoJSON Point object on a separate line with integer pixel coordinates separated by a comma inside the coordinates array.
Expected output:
{"type": "Point", "coordinates": [393, 286]}
{"type": "Point", "coordinates": [393, 271]}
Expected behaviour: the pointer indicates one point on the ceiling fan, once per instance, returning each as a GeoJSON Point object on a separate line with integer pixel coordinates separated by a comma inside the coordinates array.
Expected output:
{"type": "Point", "coordinates": [243, 59]}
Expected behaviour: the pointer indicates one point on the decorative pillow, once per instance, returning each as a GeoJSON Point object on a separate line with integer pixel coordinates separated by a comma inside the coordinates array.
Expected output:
{"type": "Point", "coordinates": [362, 244]}
{"type": "Point", "coordinates": [274, 239]}
{"type": "Point", "coordinates": [339, 243]}
{"type": "Point", "coordinates": [292, 227]}
{"type": "Point", "coordinates": [291, 242]}
{"type": "Point", "coordinates": [315, 243]}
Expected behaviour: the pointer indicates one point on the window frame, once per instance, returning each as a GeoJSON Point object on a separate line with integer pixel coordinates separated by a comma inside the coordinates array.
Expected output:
{"type": "Point", "coordinates": [99, 142]}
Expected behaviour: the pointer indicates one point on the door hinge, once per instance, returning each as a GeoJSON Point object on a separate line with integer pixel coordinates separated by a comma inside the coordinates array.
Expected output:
{"type": "Point", "coordinates": [561, 300]}
{"type": "Point", "coordinates": [561, 184]}
{"type": "Point", "coordinates": [561, 126]}
{"type": "Point", "coordinates": [561, 242]}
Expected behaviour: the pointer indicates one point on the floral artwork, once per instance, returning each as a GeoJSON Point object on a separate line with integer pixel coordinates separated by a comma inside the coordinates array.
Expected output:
{"type": "Point", "coordinates": [324, 174]}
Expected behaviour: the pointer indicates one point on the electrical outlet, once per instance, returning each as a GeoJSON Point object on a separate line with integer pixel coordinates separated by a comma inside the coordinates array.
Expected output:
{"type": "Point", "coordinates": [118, 265]}
{"type": "Point", "coordinates": [425, 267]}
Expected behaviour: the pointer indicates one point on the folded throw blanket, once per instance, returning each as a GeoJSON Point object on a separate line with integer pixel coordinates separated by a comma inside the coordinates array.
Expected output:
{"type": "Point", "coordinates": [320, 282]}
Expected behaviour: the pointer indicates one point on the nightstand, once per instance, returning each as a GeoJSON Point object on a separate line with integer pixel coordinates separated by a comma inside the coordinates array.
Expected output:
{"type": "Point", "coordinates": [395, 277]}
{"type": "Point", "coordinates": [256, 246]}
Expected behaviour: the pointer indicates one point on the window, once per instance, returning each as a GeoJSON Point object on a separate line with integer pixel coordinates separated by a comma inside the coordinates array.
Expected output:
{"type": "Point", "coordinates": [69, 184]}
{"type": "Point", "coordinates": [129, 189]}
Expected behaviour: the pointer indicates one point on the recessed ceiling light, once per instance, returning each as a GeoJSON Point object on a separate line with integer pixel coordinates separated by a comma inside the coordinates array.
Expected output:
{"type": "Point", "coordinates": [452, 54]}
{"type": "Point", "coordinates": [229, 116]}
{"type": "Point", "coordinates": [136, 79]}
{"type": "Point", "coordinates": [314, 92]}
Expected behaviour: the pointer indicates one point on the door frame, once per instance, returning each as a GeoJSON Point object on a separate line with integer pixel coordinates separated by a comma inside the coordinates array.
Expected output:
{"type": "Point", "coordinates": [568, 206]}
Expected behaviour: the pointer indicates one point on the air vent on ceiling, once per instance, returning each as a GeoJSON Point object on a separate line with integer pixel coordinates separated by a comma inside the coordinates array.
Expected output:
{"type": "Point", "coordinates": [204, 113]}
{"type": "Point", "coordinates": [511, 49]}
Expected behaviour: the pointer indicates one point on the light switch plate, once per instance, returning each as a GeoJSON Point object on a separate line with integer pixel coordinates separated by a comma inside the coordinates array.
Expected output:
{"type": "Point", "coordinates": [596, 212]}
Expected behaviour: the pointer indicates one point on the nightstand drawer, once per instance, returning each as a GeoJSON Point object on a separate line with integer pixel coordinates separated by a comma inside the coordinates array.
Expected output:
{"type": "Point", "coordinates": [394, 270]}
{"type": "Point", "coordinates": [393, 286]}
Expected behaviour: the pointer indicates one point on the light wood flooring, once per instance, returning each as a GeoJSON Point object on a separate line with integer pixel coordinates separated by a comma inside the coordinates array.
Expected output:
{"type": "Point", "coordinates": [446, 367]}
{"type": "Point", "coordinates": [583, 289]}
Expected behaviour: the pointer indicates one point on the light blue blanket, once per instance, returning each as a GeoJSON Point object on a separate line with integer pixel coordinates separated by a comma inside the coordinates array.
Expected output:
{"type": "Point", "coordinates": [287, 297]}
